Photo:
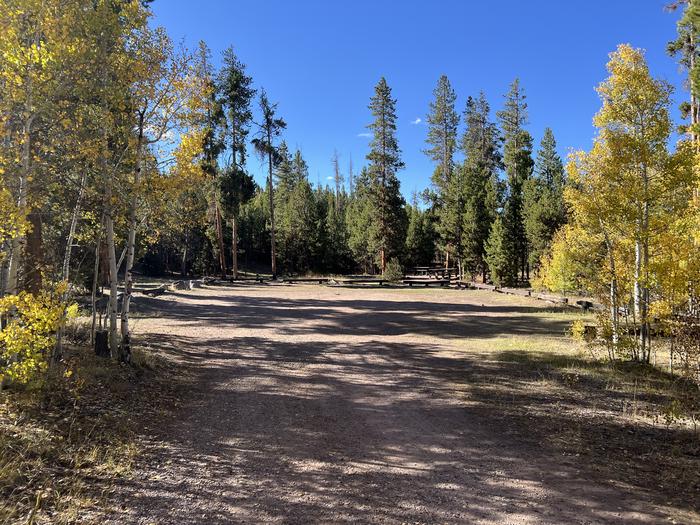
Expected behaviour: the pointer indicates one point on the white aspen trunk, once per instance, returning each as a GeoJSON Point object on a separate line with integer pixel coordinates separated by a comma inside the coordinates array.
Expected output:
{"type": "Point", "coordinates": [644, 335]}
{"type": "Point", "coordinates": [111, 255]}
{"type": "Point", "coordinates": [637, 278]}
{"type": "Point", "coordinates": [65, 275]}
{"type": "Point", "coordinates": [125, 347]}
{"type": "Point", "coordinates": [18, 243]}
{"type": "Point", "coordinates": [113, 282]}
{"type": "Point", "coordinates": [183, 259]}
{"type": "Point", "coordinates": [95, 278]}
{"type": "Point", "coordinates": [220, 239]}
{"type": "Point", "coordinates": [234, 248]}
{"type": "Point", "coordinates": [72, 228]}
{"type": "Point", "coordinates": [614, 313]}
{"type": "Point", "coordinates": [641, 269]}
{"type": "Point", "coordinates": [120, 261]}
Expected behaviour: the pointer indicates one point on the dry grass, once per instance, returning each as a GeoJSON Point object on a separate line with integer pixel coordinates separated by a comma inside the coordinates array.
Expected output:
{"type": "Point", "coordinates": [64, 443]}
{"type": "Point", "coordinates": [635, 423]}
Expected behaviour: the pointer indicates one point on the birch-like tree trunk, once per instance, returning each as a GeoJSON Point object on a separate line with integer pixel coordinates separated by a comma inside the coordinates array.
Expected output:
{"type": "Point", "coordinates": [111, 257]}
{"type": "Point", "coordinates": [220, 239]}
{"type": "Point", "coordinates": [65, 273]}
{"type": "Point", "coordinates": [641, 269]}
{"type": "Point", "coordinates": [125, 347]}
{"type": "Point", "coordinates": [18, 242]}
{"type": "Point", "coordinates": [95, 279]}
{"type": "Point", "coordinates": [234, 247]}
{"type": "Point", "coordinates": [614, 311]}
{"type": "Point", "coordinates": [183, 260]}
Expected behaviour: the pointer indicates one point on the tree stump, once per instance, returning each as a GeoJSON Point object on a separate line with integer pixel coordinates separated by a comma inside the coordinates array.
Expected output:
{"type": "Point", "coordinates": [102, 343]}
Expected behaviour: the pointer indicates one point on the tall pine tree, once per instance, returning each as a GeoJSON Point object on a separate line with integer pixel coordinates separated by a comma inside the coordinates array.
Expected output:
{"type": "Point", "coordinates": [517, 160]}
{"type": "Point", "coordinates": [442, 139]}
{"type": "Point", "coordinates": [385, 161]}
{"type": "Point", "coordinates": [212, 145]}
{"type": "Point", "coordinates": [481, 147]}
{"type": "Point", "coordinates": [361, 224]}
{"type": "Point", "coordinates": [270, 128]}
{"type": "Point", "coordinates": [235, 92]}
{"type": "Point", "coordinates": [544, 199]}
{"type": "Point", "coordinates": [686, 49]}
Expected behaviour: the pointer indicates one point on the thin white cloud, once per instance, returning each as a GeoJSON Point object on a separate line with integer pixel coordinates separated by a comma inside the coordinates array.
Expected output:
{"type": "Point", "coordinates": [329, 178]}
{"type": "Point", "coordinates": [364, 135]}
{"type": "Point", "coordinates": [417, 121]}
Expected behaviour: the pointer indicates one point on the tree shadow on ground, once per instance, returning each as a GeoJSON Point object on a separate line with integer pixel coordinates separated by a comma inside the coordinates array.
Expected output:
{"type": "Point", "coordinates": [377, 431]}
{"type": "Point", "coordinates": [365, 317]}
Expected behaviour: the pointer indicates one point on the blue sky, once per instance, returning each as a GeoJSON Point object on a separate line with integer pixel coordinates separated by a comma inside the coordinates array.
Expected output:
{"type": "Point", "coordinates": [320, 61]}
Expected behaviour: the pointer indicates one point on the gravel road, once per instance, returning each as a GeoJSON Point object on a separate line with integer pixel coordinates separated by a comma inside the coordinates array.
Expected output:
{"type": "Point", "coordinates": [315, 404]}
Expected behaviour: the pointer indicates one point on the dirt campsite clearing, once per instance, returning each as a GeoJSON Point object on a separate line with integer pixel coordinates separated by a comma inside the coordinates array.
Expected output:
{"type": "Point", "coordinates": [322, 404]}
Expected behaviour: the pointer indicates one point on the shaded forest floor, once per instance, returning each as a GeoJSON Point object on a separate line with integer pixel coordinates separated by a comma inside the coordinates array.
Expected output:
{"type": "Point", "coordinates": [303, 404]}
{"type": "Point", "coordinates": [65, 443]}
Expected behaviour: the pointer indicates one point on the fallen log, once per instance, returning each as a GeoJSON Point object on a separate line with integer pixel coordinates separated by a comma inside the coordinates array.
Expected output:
{"type": "Point", "coordinates": [368, 280]}
{"type": "Point", "coordinates": [516, 291]}
{"type": "Point", "coordinates": [292, 280]}
{"type": "Point", "coordinates": [556, 299]}
{"type": "Point", "coordinates": [483, 286]}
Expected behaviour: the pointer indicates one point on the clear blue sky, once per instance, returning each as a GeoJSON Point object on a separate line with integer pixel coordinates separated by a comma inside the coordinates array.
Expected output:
{"type": "Point", "coordinates": [320, 61]}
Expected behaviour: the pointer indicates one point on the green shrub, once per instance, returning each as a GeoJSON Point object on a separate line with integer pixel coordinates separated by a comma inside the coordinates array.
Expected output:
{"type": "Point", "coordinates": [393, 271]}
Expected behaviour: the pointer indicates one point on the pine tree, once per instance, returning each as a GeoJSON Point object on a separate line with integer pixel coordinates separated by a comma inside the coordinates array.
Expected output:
{"type": "Point", "coordinates": [212, 145]}
{"type": "Point", "coordinates": [480, 145]}
{"type": "Point", "coordinates": [361, 223]}
{"type": "Point", "coordinates": [337, 177]}
{"type": "Point", "coordinates": [351, 182]}
{"type": "Point", "coordinates": [517, 159]}
{"type": "Point", "coordinates": [337, 252]}
{"type": "Point", "coordinates": [420, 237]}
{"type": "Point", "coordinates": [235, 92]}
{"type": "Point", "coordinates": [442, 139]}
{"type": "Point", "coordinates": [385, 161]}
{"type": "Point", "coordinates": [300, 170]}
{"type": "Point", "coordinates": [283, 173]}
{"type": "Point", "coordinates": [544, 199]}
{"type": "Point", "coordinates": [298, 229]}
{"type": "Point", "coordinates": [685, 47]}
{"type": "Point", "coordinates": [442, 132]}
{"type": "Point", "coordinates": [270, 128]}
{"type": "Point", "coordinates": [498, 257]}
{"type": "Point", "coordinates": [236, 187]}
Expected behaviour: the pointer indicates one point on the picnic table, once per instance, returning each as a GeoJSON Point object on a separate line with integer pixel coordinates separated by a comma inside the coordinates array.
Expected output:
{"type": "Point", "coordinates": [434, 271]}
